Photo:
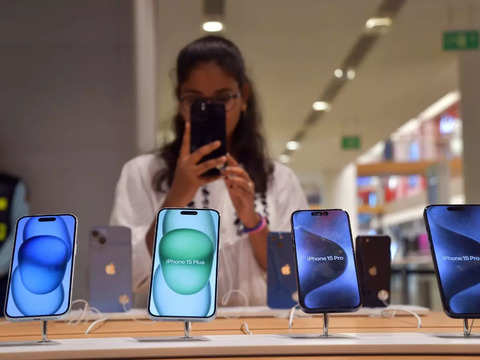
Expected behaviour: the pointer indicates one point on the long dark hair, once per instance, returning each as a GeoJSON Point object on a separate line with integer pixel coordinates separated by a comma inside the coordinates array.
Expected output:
{"type": "Point", "coordinates": [248, 144]}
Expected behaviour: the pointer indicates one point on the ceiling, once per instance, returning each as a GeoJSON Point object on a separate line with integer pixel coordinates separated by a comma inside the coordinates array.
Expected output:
{"type": "Point", "coordinates": [291, 52]}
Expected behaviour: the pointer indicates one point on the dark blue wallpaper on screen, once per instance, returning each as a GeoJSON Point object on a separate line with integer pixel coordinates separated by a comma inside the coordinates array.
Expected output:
{"type": "Point", "coordinates": [326, 266]}
{"type": "Point", "coordinates": [455, 237]}
{"type": "Point", "coordinates": [42, 267]}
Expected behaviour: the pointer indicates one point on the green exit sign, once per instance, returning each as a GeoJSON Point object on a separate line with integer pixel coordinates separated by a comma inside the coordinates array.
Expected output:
{"type": "Point", "coordinates": [460, 40]}
{"type": "Point", "coordinates": [351, 142]}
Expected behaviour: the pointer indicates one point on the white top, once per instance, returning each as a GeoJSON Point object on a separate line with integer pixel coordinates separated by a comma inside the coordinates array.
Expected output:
{"type": "Point", "coordinates": [241, 281]}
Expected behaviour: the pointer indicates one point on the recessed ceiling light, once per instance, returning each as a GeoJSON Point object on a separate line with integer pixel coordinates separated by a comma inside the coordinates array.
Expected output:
{"type": "Point", "coordinates": [321, 106]}
{"type": "Point", "coordinates": [293, 145]}
{"type": "Point", "coordinates": [351, 74]}
{"type": "Point", "coordinates": [379, 22]}
{"type": "Point", "coordinates": [338, 73]}
{"type": "Point", "coordinates": [284, 158]}
{"type": "Point", "coordinates": [212, 26]}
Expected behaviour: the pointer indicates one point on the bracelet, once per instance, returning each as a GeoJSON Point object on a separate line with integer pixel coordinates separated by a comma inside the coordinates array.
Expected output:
{"type": "Point", "coordinates": [259, 227]}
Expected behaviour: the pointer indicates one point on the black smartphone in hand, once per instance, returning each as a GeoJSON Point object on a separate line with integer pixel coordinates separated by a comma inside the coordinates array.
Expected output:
{"type": "Point", "coordinates": [208, 125]}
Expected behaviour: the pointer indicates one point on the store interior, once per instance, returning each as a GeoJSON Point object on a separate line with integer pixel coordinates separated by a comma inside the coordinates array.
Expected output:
{"type": "Point", "coordinates": [374, 116]}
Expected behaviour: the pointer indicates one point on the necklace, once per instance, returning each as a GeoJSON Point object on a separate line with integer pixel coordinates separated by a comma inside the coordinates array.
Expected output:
{"type": "Point", "coordinates": [259, 197]}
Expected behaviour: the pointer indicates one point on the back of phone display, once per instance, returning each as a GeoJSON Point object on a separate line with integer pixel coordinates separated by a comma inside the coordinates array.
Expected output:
{"type": "Point", "coordinates": [326, 270]}
{"type": "Point", "coordinates": [41, 270]}
{"type": "Point", "coordinates": [281, 278]}
{"type": "Point", "coordinates": [110, 270]}
{"type": "Point", "coordinates": [374, 269]}
{"type": "Point", "coordinates": [208, 125]}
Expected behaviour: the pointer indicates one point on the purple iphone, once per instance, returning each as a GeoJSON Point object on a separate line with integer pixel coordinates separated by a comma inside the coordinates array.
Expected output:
{"type": "Point", "coordinates": [110, 256]}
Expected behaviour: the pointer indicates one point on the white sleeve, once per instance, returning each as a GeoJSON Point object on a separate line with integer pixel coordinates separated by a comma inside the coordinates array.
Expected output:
{"type": "Point", "coordinates": [134, 208]}
{"type": "Point", "coordinates": [289, 196]}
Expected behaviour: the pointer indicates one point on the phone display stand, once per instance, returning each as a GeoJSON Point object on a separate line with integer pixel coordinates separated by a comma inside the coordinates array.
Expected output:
{"type": "Point", "coordinates": [186, 336]}
{"type": "Point", "coordinates": [324, 335]}
{"type": "Point", "coordinates": [467, 332]}
{"type": "Point", "coordinates": [44, 341]}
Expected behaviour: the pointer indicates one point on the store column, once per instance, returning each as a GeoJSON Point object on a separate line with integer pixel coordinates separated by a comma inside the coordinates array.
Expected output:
{"type": "Point", "coordinates": [339, 191]}
{"type": "Point", "coordinates": [145, 74]}
{"type": "Point", "coordinates": [469, 75]}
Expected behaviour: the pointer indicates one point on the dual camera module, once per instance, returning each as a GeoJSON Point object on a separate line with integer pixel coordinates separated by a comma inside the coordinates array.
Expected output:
{"type": "Point", "coordinates": [100, 237]}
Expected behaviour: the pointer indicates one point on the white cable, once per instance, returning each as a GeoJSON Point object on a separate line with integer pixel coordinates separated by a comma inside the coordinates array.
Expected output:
{"type": "Point", "coordinates": [96, 322]}
{"type": "Point", "coordinates": [95, 310]}
{"type": "Point", "coordinates": [394, 310]}
{"type": "Point", "coordinates": [79, 301]}
{"type": "Point", "coordinates": [228, 271]}
{"type": "Point", "coordinates": [291, 315]}
{"type": "Point", "coordinates": [82, 314]}
{"type": "Point", "coordinates": [226, 297]}
{"type": "Point", "coordinates": [93, 324]}
{"type": "Point", "coordinates": [86, 309]}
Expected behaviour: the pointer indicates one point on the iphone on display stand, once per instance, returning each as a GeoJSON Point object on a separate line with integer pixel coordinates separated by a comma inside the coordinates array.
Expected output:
{"type": "Point", "coordinates": [281, 279]}
{"type": "Point", "coordinates": [374, 269]}
{"type": "Point", "coordinates": [453, 232]}
{"type": "Point", "coordinates": [326, 271]}
{"type": "Point", "coordinates": [183, 284]}
{"type": "Point", "coordinates": [110, 268]}
{"type": "Point", "coordinates": [41, 269]}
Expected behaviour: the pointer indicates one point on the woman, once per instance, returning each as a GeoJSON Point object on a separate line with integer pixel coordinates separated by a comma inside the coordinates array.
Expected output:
{"type": "Point", "coordinates": [253, 194]}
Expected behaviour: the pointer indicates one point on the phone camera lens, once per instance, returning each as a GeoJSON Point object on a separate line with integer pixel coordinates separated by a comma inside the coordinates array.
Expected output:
{"type": "Point", "coordinates": [95, 233]}
{"type": "Point", "coordinates": [102, 240]}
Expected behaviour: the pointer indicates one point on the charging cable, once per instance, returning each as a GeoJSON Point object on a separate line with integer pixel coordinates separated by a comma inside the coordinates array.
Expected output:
{"type": "Point", "coordinates": [391, 311]}
{"type": "Point", "coordinates": [228, 271]}
{"type": "Point", "coordinates": [291, 315]}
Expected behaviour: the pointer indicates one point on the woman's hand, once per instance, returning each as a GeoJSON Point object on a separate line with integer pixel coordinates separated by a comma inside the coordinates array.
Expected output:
{"type": "Point", "coordinates": [187, 178]}
{"type": "Point", "coordinates": [241, 189]}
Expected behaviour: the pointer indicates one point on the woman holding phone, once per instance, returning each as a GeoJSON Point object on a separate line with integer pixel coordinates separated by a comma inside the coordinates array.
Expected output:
{"type": "Point", "coordinates": [253, 194]}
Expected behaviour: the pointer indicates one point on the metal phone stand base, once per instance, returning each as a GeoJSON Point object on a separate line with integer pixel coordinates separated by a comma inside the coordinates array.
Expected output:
{"type": "Point", "coordinates": [44, 341]}
{"type": "Point", "coordinates": [324, 335]}
{"type": "Point", "coordinates": [467, 332]}
{"type": "Point", "coordinates": [186, 336]}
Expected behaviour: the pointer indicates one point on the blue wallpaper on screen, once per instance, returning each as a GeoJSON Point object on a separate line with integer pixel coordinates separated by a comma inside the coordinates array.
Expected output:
{"type": "Point", "coordinates": [325, 259]}
{"type": "Point", "coordinates": [42, 267]}
{"type": "Point", "coordinates": [185, 264]}
{"type": "Point", "coordinates": [456, 240]}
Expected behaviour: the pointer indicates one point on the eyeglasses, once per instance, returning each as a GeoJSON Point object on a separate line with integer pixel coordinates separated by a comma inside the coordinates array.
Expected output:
{"type": "Point", "coordinates": [227, 99]}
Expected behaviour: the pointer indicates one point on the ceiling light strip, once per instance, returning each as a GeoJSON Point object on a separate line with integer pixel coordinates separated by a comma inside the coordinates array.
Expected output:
{"type": "Point", "coordinates": [365, 42]}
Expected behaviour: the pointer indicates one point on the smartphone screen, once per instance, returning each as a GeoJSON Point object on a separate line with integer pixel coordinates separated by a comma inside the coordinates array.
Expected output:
{"type": "Point", "coordinates": [326, 273]}
{"type": "Point", "coordinates": [185, 264]}
{"type": "Point", "coordinates": [41, 269]}
{"type": "Point", "coordinates": [208, 125]}
{"type": "Point", "coordinates": [455, 242]}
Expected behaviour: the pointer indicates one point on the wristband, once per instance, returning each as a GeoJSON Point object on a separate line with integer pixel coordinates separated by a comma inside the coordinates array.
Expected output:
{"type": "Point", "coordinates": [259, 227]}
